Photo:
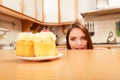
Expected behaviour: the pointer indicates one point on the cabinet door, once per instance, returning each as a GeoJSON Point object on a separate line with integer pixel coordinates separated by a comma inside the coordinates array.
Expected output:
{"type": "Point", "coordinates": [86, 5]}
{"type": "Point", "coordinates": [67, 10]}
{"type": "Point", "coordinates": [39, 10]}
{"type": "Point", "coordinates": [14, 5]}
{"type": "Point", "coordinates": [29, 8]}
{"type": "Point", "coordinates": [51, 11]}
{"type": "Point", "coordinates": [114, 3]}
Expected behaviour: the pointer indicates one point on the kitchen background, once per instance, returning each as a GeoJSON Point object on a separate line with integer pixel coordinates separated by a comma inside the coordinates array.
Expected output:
{"type": "Point", "coordinates": [102, 26]}
{"type": "Point", "coordinates": [101, 29]}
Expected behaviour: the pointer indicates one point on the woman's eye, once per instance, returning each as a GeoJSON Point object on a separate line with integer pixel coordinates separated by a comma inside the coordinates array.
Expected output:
{"type": "Point", "coordinates": [72, 39]}
{"type": "Point", "coordinates": [83, 38]}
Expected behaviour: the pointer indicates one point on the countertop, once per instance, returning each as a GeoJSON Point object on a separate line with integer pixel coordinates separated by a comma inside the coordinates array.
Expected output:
{"type": "Point", "coordinates": [73, 65]}
{"type": "Point", "coordinates": [109, 46]}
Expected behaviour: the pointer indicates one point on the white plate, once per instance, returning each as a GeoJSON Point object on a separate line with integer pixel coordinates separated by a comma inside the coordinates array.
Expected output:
{"type": "Point", "coordinates": [41, 58]}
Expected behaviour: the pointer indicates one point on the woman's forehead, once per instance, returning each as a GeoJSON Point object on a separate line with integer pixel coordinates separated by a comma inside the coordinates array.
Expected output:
{"type": "Point", "coordinates": [76, 32]}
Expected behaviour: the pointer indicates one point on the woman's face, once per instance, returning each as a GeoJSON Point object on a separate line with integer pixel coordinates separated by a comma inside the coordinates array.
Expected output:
{"type": "Point", "coordinates": [77, 39]}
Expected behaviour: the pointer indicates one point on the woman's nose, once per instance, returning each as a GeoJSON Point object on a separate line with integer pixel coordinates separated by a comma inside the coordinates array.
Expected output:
{"type": "Point", "coordinates": [79, 42]}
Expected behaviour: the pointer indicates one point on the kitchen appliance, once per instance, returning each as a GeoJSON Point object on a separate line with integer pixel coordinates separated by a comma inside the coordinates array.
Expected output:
{"type": "Point", "coordinates": [90, 27]}
{"type": "Point", "coordinates": [61, 41]}
{"type": "Point", "coordinates": [111, 38]}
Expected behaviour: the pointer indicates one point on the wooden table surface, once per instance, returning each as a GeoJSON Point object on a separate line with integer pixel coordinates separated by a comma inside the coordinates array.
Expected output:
{"type": "Point", "coordinates": [73, 65]}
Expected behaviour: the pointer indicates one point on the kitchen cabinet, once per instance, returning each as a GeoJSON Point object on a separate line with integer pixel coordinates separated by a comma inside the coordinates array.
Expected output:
{"type": "Point", "coordinates": [15, 9]}
{"type": "Point", "coordinates": [104, 14]}
{"type": "Point", "coordinates": [86, 5]}
{"type": "Point", "coordinates": [51, 11]}
{"type": "Point", "coordinates": [59, 11]}
{"type": "Point", "coordinates": [23, 6]}
{"type": "Point", "coordinates": [39, 10]}
{"type": "Point", "coordinates": [44, 12]}
{"type": "Point", "coordinates": [105, 9]}
{"type": "Point", "coordinates": [16, 5]}
{"type": "Point", "coordinates": [29, 8]}
{"type": "Point", "coordinates": [67, 11]}
{"type": "Point", "coordinates": [114, 3]}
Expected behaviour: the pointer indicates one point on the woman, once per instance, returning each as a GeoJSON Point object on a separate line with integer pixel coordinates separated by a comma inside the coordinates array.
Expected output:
{"type": "Point", "coordinates": [78, 37]}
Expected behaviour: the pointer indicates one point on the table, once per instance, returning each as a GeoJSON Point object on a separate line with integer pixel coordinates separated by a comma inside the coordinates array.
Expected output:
{"type": "Point", "coordinates": [73, 65]}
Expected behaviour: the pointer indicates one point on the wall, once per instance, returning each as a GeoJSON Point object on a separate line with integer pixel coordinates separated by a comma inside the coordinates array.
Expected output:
{"type": "Point", "coordinates": [14, 25]}
{"type": "Point", "coordinates": [102, 28]}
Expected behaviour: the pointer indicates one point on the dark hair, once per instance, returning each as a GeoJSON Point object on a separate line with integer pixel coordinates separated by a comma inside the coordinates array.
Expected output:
{"type": "Point", "coordinates": [84, 30]}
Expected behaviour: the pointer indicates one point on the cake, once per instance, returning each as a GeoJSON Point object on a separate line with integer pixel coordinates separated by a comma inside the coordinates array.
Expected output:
{"type": "Point", "coordinates": [36, 45]}
{"type": "Point", "coordinates": [44, 44]}
{"type": "Point", "coordinates": [25, 44]}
